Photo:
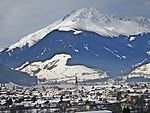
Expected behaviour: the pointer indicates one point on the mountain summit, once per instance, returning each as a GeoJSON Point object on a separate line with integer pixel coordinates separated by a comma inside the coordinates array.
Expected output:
{"type": "Point", "coordinates": [116, 45]}
{"type": "Point", "coordinates": [90, 19]}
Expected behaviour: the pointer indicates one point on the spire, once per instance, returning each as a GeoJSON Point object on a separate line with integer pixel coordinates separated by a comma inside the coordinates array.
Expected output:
{"type": "Point", "coordinates": [76, 81]}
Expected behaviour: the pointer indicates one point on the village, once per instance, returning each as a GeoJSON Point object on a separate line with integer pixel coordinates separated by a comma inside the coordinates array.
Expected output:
{"type": "Point", "coordinates": [111, 97]}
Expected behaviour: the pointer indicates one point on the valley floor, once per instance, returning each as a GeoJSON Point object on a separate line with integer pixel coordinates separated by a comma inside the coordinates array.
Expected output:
{"type": "Point", "coordinates": [109, 97]}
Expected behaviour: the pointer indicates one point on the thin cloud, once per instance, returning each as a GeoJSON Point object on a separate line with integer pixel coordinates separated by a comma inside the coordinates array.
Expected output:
{"type": "Point", "coordinates": [147, 3]}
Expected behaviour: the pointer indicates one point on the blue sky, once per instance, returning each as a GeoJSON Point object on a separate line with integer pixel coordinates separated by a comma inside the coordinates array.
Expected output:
{"type": "Point", "coordinates": [19, 18]}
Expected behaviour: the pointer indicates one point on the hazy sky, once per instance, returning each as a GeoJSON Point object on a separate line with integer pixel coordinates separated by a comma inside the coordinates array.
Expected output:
{"type": "Point", "coordinates": [19, 18]}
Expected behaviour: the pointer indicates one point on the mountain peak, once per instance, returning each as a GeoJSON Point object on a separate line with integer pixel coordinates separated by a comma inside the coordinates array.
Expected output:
{"type": "Point", "coordinates": [90, 19]}
{"type": "Point", "coordinates": [87, 14]}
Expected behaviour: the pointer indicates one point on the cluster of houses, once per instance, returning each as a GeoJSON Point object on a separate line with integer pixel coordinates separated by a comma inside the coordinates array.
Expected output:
{"type": "Point", "coordinates": [69, 98]}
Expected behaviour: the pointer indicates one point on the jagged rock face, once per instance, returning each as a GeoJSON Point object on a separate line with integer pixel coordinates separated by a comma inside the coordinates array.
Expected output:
{"type": "Point", "coordinates": [93, 39]}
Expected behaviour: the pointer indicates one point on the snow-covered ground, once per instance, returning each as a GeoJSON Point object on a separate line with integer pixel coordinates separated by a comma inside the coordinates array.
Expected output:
{"type": "Point", "coordinates": [57, 69]}
{"type": "Point", "coordinates": [142, 71]}
{"type": "Point", "coordinates": [90, 19]}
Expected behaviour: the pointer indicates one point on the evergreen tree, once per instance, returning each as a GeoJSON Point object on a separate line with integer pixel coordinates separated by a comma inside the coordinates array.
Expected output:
{"type": "Point", "coordinates": [126, 110]}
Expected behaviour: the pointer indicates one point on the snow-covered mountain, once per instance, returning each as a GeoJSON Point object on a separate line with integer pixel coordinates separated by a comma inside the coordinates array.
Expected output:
{"type": "Point", "coordinates": [114, 44]}
{"type": "Point", "coordinates": [141, 71]}
{"type": "Point", "coordinates": [90, 19]}
{"type": "Point", "coordinates": [8, 75]}
{"type": "Point", "coordinates": [56, 69]}
{"type": "Point", "coordinates": [139, 74]}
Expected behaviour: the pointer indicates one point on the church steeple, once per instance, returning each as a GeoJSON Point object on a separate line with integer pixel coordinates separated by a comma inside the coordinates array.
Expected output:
{"type": "Point", "coordinates": [76, 81]}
